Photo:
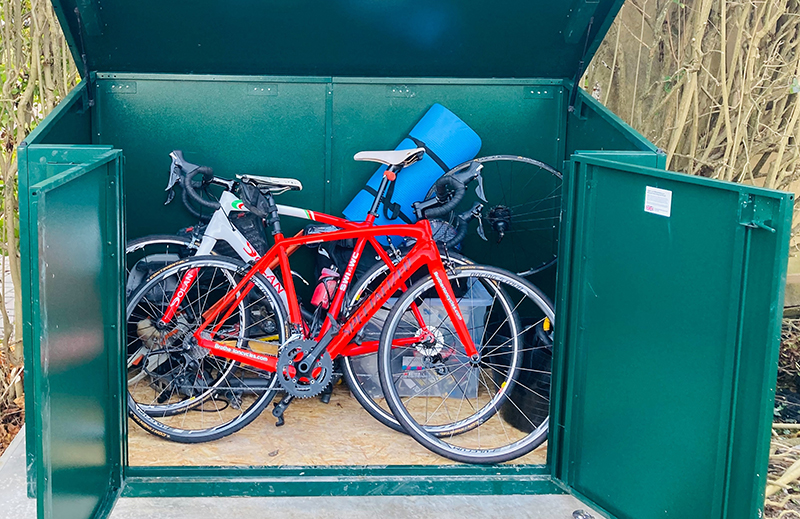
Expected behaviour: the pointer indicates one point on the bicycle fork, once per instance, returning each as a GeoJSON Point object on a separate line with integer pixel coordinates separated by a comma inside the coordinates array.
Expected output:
{"type": "Point", "coordinates": [183, 289]}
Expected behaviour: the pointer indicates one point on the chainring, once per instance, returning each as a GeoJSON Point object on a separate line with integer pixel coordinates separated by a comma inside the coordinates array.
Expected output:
{"type": "Point", "coordinates": [296, 381]}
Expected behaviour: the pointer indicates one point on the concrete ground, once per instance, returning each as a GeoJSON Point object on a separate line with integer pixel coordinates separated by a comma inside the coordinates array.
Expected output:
{"type": "Point", "coordinates": [14, 503]}
{"type": "Point", "coordinates": [14, 500]}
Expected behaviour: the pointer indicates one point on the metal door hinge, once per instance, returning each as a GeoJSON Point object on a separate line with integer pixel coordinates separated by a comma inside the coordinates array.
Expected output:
{"type": "Point", "coordinates": [756, 212]}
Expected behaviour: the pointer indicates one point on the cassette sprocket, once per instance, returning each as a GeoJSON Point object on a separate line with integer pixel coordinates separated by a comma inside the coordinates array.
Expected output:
{"type": "Point", "coordinates": [300, 377]}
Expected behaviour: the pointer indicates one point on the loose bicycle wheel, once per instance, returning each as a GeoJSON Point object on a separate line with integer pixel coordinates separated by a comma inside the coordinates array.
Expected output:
{"type": "Point", "coordinates": [182, 392]}
{"type": "Point", "coordinates": [361, 371]}
{"type": "Point", "coordinates": [521, 216]}
{"type": "Point", "coordinates": [471, 410]}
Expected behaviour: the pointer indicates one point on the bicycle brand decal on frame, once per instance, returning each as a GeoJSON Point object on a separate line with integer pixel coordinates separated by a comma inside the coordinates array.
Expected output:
{"type": "Point", "coordinates": [658, 201]}
{"type": "Point", "coordinates": [273, 280]}
{"type": "Point", "coordinates": [453, 305]}
{"type": "Point", "coordinates": [349, 271]}
{"type": "Point", "coordinates": [250, 251]}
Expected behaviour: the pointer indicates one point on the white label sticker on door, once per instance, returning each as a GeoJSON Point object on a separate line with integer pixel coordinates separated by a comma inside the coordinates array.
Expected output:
{"type": "Point", "coordinates": [658, 201]}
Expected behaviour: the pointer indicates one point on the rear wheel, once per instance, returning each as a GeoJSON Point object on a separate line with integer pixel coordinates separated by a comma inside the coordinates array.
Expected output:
{"type": "Point", "coordinates": [471, 410]}
{"type": "Point", "coordinates": [179, 390]}
{"type": "Point", "coordinates": [146, 255]}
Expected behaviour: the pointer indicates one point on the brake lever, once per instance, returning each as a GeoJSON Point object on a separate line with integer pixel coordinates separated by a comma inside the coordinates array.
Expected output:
{"type": "Point", "coordinates": [174, 178]}
{"type": "Point", "coordinates": [481, 232]}
{"type": "Point", "coordinates": [477, 210]}
{"type": "Point", "coordinates": [479, 188]}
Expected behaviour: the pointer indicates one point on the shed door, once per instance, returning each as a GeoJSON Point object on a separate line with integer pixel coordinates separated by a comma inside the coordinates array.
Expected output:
{"type": "Point", "coordinates": [671, 322]}
{"type": "Point", "coordinates": [76, 234]}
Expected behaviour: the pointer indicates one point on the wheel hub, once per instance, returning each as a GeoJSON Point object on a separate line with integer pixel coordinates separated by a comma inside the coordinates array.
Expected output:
{"type": "Point", "coordinates": [431, 342]}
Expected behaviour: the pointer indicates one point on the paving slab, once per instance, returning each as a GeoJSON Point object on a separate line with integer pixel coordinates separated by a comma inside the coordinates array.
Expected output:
{"type": "Point", "coordinates": [383, 507]}
{"type": "Point", "coordinates": [14, 503]}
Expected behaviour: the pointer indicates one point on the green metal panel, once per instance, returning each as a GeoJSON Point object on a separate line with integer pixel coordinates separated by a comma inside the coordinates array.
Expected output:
{"type": "Point", "coordinates": [71, 234]}
{"type": "Point", "coordinates": [262, 126]}
{"type": "Point", "coordinates": [36, 164]}
{"type": "Point", "coordinates": [670, 349]}
{"type": "Point", "coordinates": [68, 123]}
{"type": "Point", "coordinates": [592, 126]}
{"type": "Point", "coordinates": [435, 38]}
{"type": "Point", "coordinates": [337, 481]}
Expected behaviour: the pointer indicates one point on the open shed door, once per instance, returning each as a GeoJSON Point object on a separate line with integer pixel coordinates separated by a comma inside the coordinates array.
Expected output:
{"type": "Point", "coordinates": [74, 239]}
{"type": "Point", "coordinates": [670, 339]}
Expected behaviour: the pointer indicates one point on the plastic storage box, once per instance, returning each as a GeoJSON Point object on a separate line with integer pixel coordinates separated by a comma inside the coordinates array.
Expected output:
{"type": "Point", "coordinates": [452, 378]}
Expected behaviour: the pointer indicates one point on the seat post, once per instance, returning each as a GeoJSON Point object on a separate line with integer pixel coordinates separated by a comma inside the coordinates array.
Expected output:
{"type": "Point", "coordinates": [389, 175]}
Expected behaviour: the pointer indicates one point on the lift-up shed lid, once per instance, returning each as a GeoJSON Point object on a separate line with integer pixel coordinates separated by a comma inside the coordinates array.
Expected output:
{"type": "Point", "coordinates": [402, 38]}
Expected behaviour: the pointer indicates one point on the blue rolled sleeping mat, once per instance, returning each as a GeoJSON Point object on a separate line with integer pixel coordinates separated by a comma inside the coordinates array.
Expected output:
{"type": "Point", "coordinates": [448, 142]}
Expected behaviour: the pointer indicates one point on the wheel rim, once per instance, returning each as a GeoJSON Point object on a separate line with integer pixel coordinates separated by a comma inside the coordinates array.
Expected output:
{"type": "Point", "coordinates": [524, 195]}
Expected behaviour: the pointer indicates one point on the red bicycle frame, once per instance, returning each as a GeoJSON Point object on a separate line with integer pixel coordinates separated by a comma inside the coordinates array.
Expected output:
{"type": "Point", "coordinates": [423, 253]}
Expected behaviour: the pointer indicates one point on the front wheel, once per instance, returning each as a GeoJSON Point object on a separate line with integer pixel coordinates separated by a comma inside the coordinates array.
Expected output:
{"type": "Point", "coordinates": [361, 371]}
{"type": "Point", "coordinates": [471, 410]}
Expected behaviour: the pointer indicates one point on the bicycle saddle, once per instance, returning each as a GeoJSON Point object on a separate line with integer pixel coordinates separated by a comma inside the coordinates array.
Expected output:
{"type": "Point", "coordinates": [290, 184]}
{"type": "Point", "coordinates": [392, 158]}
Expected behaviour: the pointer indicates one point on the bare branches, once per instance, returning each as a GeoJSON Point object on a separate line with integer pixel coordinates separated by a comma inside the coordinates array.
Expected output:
{"type": "Point", "coordinates": [720, 89]}
{"type": "Point", "coordinates": [37, 71]}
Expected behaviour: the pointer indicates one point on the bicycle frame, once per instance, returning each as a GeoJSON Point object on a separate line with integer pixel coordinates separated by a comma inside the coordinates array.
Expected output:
{"type": "Point", "coordinates": [424, 253]}
{"type": "Point", "coordinates": [220, 228]}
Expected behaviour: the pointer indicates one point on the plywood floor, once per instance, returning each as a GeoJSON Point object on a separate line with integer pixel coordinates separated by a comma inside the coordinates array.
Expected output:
{"type": "Point", "coordinates": [340, 433]}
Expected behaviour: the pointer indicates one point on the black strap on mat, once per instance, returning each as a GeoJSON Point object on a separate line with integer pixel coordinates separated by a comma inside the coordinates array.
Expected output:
{"type": "Point", "coordinates": [391, 210]}
{"type": "Point", "coordinates": [428, 151]}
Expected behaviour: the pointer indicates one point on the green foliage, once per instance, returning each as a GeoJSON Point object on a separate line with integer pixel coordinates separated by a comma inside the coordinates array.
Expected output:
{"type": "Point", "coordinates": [672, 81]}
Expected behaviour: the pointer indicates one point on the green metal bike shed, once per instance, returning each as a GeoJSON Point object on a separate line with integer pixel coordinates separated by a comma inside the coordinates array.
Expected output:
{"type": "Point", "coordinates": [669, 318]}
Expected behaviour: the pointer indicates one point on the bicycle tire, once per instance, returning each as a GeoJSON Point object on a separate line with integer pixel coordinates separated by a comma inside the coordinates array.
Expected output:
{"type": "Point", "coordinates": [358, 370]}
{"type": "Point", "coordinates": [177, 378]}
{"type": "Point", "coordinates": [431, 373]}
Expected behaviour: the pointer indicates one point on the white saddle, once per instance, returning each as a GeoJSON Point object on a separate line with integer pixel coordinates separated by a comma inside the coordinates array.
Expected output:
{"type": "Point", "coordinates": [272, 182]}
{"type": "Point", "coordinates": [391, 158]}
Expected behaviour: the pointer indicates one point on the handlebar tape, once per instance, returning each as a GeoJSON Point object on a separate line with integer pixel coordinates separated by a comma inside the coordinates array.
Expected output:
{"type": "Point", "coordinates": [189, 187]}
{"type": "Point", "coordinates": [189, 207]}
{"type": "Point", "coordinates": [463, 225]}
{"type": "Point", "coordinates": [461, 233]}
{"type": "Point", "coordinates": [443, 186]}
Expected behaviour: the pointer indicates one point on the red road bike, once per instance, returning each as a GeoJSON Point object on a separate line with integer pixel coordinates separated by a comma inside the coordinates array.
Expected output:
{"type": "Point", "coordinates": [462, 356]}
